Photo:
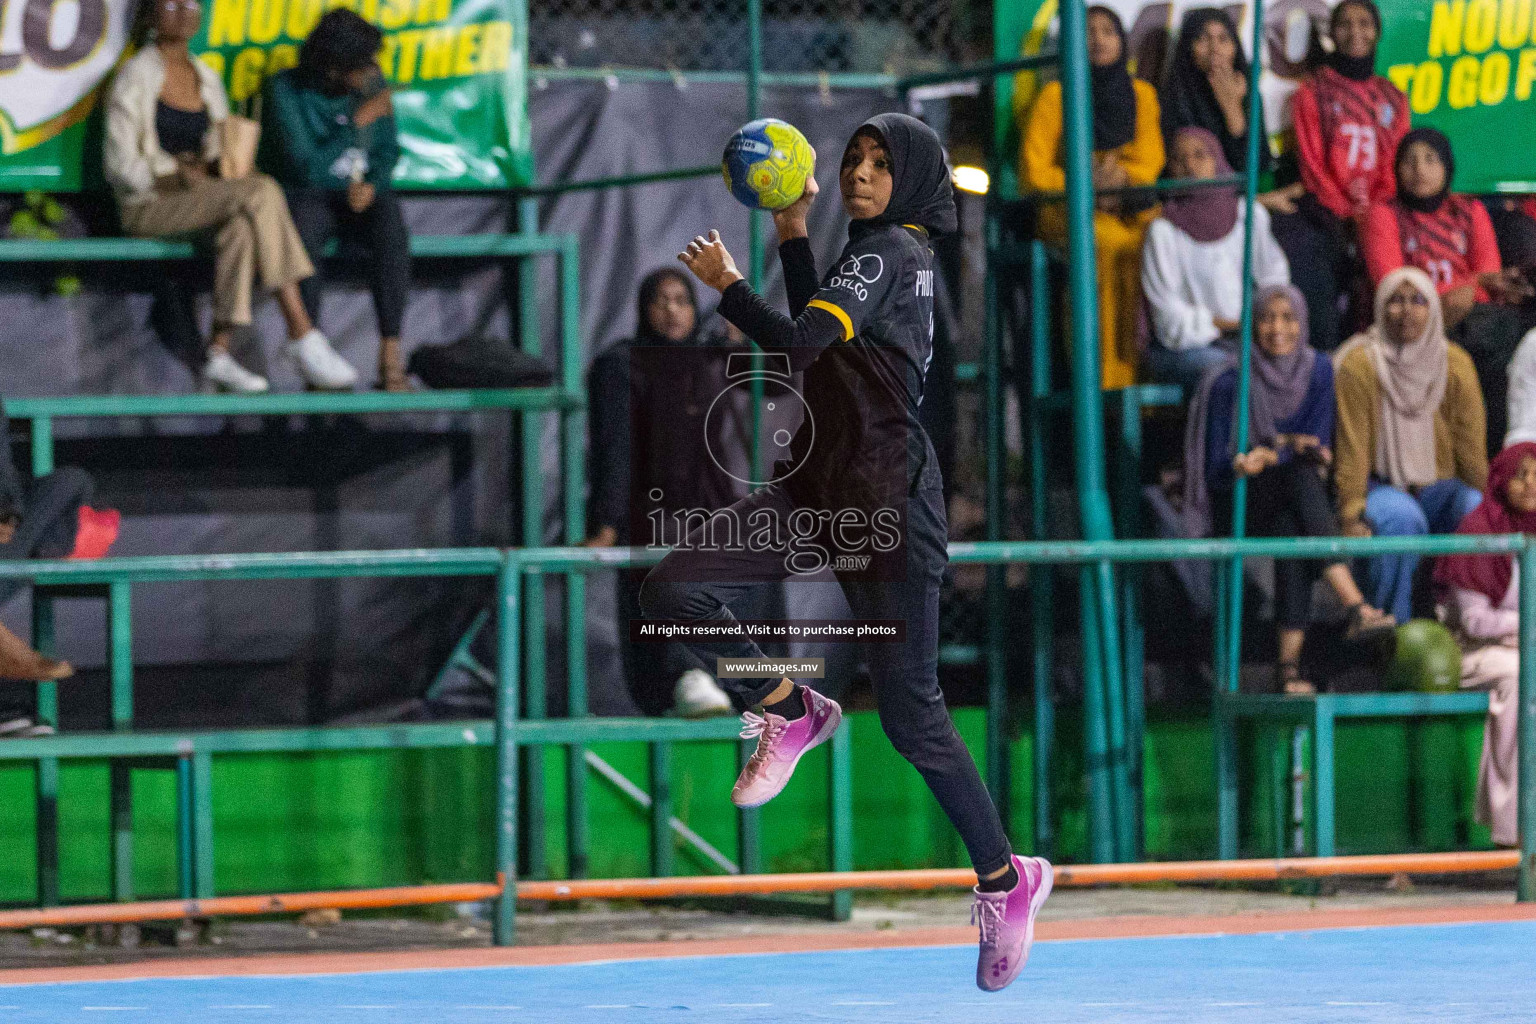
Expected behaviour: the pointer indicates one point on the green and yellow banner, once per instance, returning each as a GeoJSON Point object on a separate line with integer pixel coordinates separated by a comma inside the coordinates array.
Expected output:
{"type": "Point", "coordinates": [457, 68]}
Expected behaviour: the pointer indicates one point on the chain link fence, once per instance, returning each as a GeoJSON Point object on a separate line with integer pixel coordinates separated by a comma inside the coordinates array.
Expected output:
{"type": "Point", "coordinates": [831, 36]}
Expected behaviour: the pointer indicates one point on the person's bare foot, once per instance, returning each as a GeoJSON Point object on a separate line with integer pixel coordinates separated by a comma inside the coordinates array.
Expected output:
{"type": "Point", "coordinates": [18, 661]}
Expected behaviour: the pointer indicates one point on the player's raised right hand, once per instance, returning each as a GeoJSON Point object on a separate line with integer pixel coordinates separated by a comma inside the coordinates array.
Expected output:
{"type": "Point", "coordinates": [790, 221]}
{"type": "Point", "coordinates": [710, 262]}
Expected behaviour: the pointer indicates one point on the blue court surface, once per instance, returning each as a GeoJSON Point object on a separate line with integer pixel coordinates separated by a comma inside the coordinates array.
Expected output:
{"type": "Point", "coordinates": [1445, 973]}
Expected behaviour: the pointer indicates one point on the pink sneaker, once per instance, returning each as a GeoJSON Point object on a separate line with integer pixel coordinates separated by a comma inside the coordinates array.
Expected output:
{"type": "Point", "coordinates": [1007, 923]}
{"type": "Point", "coordinates": [780, 746]}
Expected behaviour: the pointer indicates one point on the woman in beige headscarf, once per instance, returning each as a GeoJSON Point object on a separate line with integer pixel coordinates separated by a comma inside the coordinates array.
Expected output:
{"type": "Point", "coordinates": [1410, 455]}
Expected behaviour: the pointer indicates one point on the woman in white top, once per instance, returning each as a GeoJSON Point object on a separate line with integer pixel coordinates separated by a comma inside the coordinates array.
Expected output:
{"type": "Point", "coordinates": [1192, 265]}
{"type": "Point", "coordinates": [1522, 392]}
{"type": "Point", "coordinates": [1482, 595]}
{"type": "Point", "coordinates": [163, 137]}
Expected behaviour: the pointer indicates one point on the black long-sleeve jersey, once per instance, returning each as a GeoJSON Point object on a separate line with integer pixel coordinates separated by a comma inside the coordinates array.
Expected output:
{"type": "Point", "coordinates": [864, 339]}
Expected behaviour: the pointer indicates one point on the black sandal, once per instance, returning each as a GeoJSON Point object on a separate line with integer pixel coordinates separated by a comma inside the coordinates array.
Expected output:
{"type": "Point", "coordinates": [1358, 631]}
{"type": "Point", "coordinates": [1289, 682]}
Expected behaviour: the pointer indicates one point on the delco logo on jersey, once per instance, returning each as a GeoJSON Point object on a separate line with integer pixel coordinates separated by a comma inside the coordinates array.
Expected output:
{"type": "Point", "coordinates": [857, 271]}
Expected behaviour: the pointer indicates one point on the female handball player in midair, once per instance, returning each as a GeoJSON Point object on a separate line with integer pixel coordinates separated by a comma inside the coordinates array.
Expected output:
{"type": "Point", "coordinates": [863, 337]}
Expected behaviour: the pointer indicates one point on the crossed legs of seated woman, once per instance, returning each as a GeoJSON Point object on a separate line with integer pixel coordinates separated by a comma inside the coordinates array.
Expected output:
{"type": "Point", "coordinates": [255, 243]}
{"type": "Point", "coordinates": [1291, 420]}
{"type": "Point", "coordinates": [164, 134]}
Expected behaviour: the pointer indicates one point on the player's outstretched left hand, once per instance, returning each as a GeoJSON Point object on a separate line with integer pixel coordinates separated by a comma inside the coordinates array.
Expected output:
{"type": "Point", "coordinates": [710, 261]}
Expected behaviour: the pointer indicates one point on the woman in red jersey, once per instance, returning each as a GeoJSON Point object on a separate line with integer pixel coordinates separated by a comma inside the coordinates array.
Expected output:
{"type": "Point", "coordinates": [1348, 121]}
{"type": "Point", "coordinates": [1450, 238]}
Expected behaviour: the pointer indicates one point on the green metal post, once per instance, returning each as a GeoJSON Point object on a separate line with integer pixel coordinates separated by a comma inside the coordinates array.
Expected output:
{"type": "Point", "coordinates": [572, 475]}
{"type": "Point", "coordinates": [47, 767]}
{"type": "Point", "coordinates": [42, 446]}
{"type": "Point", "coordinates": [1234, 624]}
{"type": "Point", "coordinates": [1087, 403]}
{"type": "Point", "coordinates": [184, 855]}
{"type": "Point", "coordinates": [508, 584]}
{"type": "Point", "coordinates": [1229, 618]}
{"type": "Point", "coordinates": [1114, 701]}
{"type": "Point", "coordinates": [47, 702]}
{"type": "Point", "coordinates": [1322, 778]}
{"type": "Point", "coordinates": [531, 429]}
{"type": "Point", "coordinates": [1041, 578]}
{"type": "Point", "coordinates": [1226, 779]}
{"type": "Point", "coordinates": [576, 833]}
{"type": "Point", "coordinates": [120, 651]}
{"type": "Point", "coordinates": [535, 708]}
{"type": "Point", "coordinates": [528, 280]}
{"type": "Point", "coordinates": [998, 771]}
{"type": "Point", "coordinates": [749, 827]}
{"type": "Point", "coordinates": [202, 825]}
{"type": "Point", "coordinates": [1527, 773]}
{"type": "Point", "coordinates": [663, 845]}
{"type": "Point", "coordinates": [754, 101]}
{"type": "Point", "coordinates": [120, 800]}
{"type": "Point", "coordinates": [573, 441]}
{"type": "Point", "coordinates": [1096, 754]}
{"type": "Point", "coordinates": [840, 815]}
{"type": "Point", "coordinates": [755, 253]}
{"type": "Point", "coordinates": [1130, 610]}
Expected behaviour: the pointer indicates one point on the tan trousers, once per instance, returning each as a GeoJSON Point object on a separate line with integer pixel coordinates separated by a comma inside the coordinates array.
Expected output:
{"type": "Point", "coordinates": [253, 235]}
{"type": "Point", "coordinates": [1496, 668]}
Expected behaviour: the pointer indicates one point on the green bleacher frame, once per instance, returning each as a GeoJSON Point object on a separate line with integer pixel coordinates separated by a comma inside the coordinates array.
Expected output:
{"type": "Point", "coordinates": [565, 398]}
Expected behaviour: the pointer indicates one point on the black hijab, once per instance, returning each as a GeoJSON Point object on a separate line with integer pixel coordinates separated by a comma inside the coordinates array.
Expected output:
{"type": "Point", "coordinates": [921, 192]}
{"type": "Point", "coordinates": [650, 287]}
{"type": "Point", "coordinates": [1435, 139]}
{"type": "Point", "coordinates": [1114, 97]}
{"type": "Point", "coordinates": [1188, 101]}
{"type": "Point", "coordinates": [1357, 69]}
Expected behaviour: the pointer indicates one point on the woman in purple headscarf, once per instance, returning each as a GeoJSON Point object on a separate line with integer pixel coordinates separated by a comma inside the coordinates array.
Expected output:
{"type": "Point", "coordinates": [1192, 265]}
{"type": "Point", "coordinates": [1290, 437]}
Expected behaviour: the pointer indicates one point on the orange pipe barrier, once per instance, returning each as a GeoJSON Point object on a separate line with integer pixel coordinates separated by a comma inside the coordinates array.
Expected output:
{"type": "Point", "coordinates": [218, 906]}
{"type": "Point", "coordinates": [761, 885]}
{"type": "Point", "coordinates": [1073, 875]}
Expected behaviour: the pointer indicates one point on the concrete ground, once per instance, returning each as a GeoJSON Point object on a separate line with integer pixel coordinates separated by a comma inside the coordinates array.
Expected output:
{"type": "Point", "coordinates": [465, 926]}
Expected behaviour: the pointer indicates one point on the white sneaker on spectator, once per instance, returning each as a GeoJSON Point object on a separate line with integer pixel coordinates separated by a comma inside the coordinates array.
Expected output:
{"type": "Point", "coordinates": [221, 372]}
{"type": "Point", "coordinates": [697, 695]}
{"type": "Point", "coordinates": [22, 728]}
{"type": "Point", "coordinates": [319, 364]}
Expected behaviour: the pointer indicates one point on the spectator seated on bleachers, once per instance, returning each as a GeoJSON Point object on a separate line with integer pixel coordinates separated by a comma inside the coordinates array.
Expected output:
{"type": "Point", "coordinates": [1290, 439]}
{"type": "Point", "coordinates": [1348, 121]}
{"type": "Point", "coordinates": [1411, 457]}
{"type": "Point", "coordinates": [1127, 150]}
{"type": "Point", "coordinates": [1192, 266]}
{"type": "Point", "coordinates": [1450, 238]}
{"type": "Point", "coordinates": [328, 137]}
{"type": "Point", "coordinates": [164, 132]}
{"type": "Point", "coordinates": [652, 433]}
{"type": "Point", "coordinates": [1207, 87]}
{"type": "Point", "coordinates": [51, 518]}
{"type": "Point", "coordinates": [1481, 598]}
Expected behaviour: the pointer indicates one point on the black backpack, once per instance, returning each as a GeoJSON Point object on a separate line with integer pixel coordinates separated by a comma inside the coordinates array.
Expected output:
{"type": "Point", "coordinates": [479, 363]}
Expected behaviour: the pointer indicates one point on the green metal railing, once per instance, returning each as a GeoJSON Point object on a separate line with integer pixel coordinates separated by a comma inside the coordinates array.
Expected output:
{"type": "Point", "coordinates": [566, 399]}
{"type": "Point", "coordinates": [1097, 556]}
{"type": "Point", "coordinates": [520, 575]}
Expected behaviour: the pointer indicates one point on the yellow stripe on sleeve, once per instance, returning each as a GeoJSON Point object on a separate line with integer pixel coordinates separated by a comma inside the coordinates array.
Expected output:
{"type": "Point", "coordinates": [841, 316]}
